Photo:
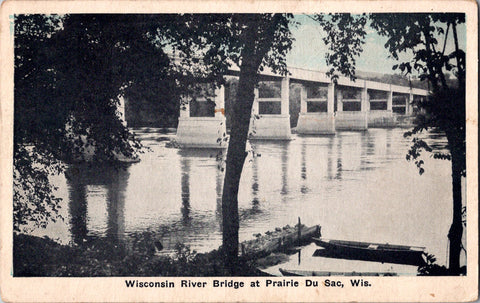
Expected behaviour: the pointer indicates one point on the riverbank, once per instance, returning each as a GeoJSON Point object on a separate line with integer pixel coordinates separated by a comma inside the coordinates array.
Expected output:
{"type": "Point", "coordinates": [43, 257]}
{"type": "Point", "coordinates": [35, 256]}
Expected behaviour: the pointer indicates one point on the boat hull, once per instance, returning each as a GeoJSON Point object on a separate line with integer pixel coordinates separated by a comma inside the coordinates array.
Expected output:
{"type": "Point", "coordinates": [316, 273]}
{"type": "Point", "coordinates": [385, 253]}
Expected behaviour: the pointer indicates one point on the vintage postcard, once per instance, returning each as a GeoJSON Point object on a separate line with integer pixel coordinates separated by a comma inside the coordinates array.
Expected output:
{"type": "Point", "coordinates": [239, 151]}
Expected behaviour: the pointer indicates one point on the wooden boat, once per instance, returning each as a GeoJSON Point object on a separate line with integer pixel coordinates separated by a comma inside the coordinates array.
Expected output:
{"type": "Point", "coordinates": [262, 273]}
{"type": "Point", "coordinates": [282, 240]}
{"type": "Point", "coordinates": [377, 252]}
{"type": "Point", "coordinates": [316, 273]}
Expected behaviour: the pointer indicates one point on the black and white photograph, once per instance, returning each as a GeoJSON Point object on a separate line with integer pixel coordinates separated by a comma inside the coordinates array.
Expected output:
{"type": "Point", "coordinates": [311, 154]}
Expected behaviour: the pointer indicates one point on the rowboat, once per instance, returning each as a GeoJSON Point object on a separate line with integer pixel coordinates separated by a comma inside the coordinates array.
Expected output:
{"type": "Point", "coordinates": [316, 273]}
{"type": "Point", "coordinates": [377, 252]}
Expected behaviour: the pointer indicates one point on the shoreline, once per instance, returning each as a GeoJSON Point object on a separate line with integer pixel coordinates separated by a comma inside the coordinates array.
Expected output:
{"type": "Point", "coordinates": [43, 257]}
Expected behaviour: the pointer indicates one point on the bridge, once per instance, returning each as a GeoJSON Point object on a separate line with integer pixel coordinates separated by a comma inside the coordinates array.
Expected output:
{"type": "Point", "coordinates": [325, 108]}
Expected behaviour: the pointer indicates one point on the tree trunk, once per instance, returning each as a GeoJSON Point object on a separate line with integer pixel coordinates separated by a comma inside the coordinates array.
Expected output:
{"type": "Point", "coordinates": [456, 230]}
{"type": "Point", "coordinates": [236, 156]}
{"type": "Point", "coordinates": [460, 66]}
{"type": "Point", "coordinates": [257, 39]}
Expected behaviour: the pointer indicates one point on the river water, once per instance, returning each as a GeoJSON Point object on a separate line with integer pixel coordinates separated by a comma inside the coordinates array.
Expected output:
{"type": "Point", "coordinates": [356, 185]}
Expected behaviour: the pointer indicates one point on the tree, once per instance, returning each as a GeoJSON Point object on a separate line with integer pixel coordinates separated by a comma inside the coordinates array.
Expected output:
{"type": "Point", "coordinates": [425, 36]}
{"type": "Point", "coordinates": [265, 39]}
{"type": "Point", "coordinates": [345, 34]}
{"type": "Point", "coordinates": [445, 108]}
{"type": "Point", "coordinates": [38, 121]}
{"type": "Point", "coordinates": [70, 71]}
{"type": "Point", "coordinates": [252, 42]}
{"type": "Point", "coordinates": [69, 74]}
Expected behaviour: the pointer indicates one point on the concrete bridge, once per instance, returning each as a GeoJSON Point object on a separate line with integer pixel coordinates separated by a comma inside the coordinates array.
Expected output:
{"type": "Point", "coordinates": [325, 108]}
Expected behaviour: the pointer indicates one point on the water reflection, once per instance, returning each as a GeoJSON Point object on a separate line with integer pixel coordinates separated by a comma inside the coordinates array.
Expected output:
{"type": "Point", "coordinates": [92, 188]}
{"type": "Point", "coordinates": [388, 139]}
{"type": "Point", "coordinates": [116, 203]}
{"type": "Point", "coordinates": [353, 184]}
{"type": "Point", "coordinates": [316, 150]}
{"type": "Point", "coordinates": [338, 175]}
{"type": "Point", "coordinates": [284, 157]}
{"type": "Point", "coordinates": [78, 209]}
{"type": "Point", "coordinates": [219, 188]}
{"type": "Point", "coordinates": [250, 209]}
{"type": "Point", "coordinates": [304, 188]}
{"type": "Point", "coordinates": [255, 186]}
{"type": "Point", "coordinates": [330, 155]}
{"type": "Point", "coordinates": [367, 150]}
{"type": "Point", "coordinates": [209, 160]}
{"type": "Point", "coordinates": [185, 166]}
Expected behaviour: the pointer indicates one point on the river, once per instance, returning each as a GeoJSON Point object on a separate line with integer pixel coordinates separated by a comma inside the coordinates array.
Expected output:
{"type": "Point", "coordinates": [356, 185]}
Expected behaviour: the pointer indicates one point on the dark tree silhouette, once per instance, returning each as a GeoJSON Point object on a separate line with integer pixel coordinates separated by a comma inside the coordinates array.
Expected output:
{"type": "Point", "coordinates": [69, 74]}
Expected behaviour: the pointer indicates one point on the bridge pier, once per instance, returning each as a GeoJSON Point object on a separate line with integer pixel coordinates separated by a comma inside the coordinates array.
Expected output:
{"type": "Point", "coordinates": [320, 117]}
{"type": "Point", "coordinates": [352, 112]}
{"type": "Point", "coordinates": [353, 107]}
{"type": "Point", "coordinates": [401, 104]}
{"type": "Point", "coordinates": [270, 113]}
{"type": "Point", "coordinates": [381, 114]}
{"type": "Point", "coordinates": [204, 126]}
{"type": "Point", "coordinates": [409, 109]}
{"type": "Point", "coordinates": [390, 99]}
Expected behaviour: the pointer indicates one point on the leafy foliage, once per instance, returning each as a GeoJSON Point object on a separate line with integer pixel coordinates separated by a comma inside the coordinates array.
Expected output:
{"type": "Point", "coordinates": [37, 116]}
{"type": "Point", "coordinates": [421, 35]}
{"type": "Point", "coordinates": [425, 37]}
{"type": "Point", "coordinates": [99, 258]}
{"type": "Point", "coordinates": [444, 111]}
{"type": "Point", "coordinates": [218, 41]}
{"type": "Point", "coordinates": [445, 108]}
{"type": "Point", "coordinates": [345, 37]}
{"type": "Point", "coordinates": [70, 72]}
{"type": "Point", "coordinates": [431, 268]}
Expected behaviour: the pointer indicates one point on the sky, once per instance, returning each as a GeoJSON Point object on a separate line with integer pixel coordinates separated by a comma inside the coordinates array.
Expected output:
{"type": "Point", "coordinates": [308, 49]}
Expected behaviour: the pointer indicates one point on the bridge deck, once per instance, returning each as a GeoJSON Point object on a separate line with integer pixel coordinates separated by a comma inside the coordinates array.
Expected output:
{"type": "Point", "coordinates": [301, 74]}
